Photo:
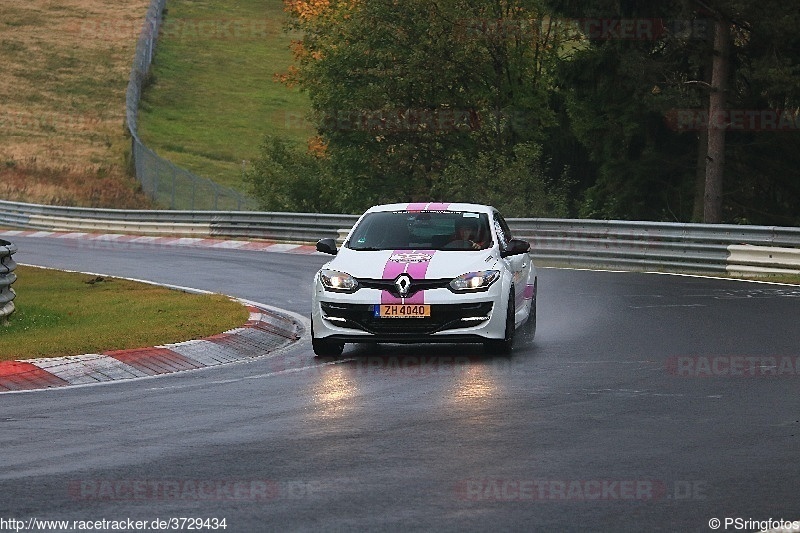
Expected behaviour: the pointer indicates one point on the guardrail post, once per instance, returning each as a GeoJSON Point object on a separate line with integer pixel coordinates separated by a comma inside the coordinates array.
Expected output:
{"type": "Point", "coordinates": [7, 277]}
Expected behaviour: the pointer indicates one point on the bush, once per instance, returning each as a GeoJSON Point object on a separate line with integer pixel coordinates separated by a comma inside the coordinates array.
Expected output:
{"type": "Point", "coordinates": [517, 185]}
{"type": "Point", "coordinates": [285, 178]}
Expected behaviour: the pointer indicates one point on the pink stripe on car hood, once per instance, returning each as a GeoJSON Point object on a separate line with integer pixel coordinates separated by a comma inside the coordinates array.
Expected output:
{"type": "Point", "coordinates": [413, 267]}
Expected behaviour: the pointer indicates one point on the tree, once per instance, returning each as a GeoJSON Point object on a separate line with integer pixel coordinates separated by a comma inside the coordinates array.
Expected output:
{"type": "Point", "coordinates": [714, 58]}
{"type": "Point", "coordinates": [402, 91]}
{"type": "Point", "coordinates": [717, 107]}
{"type": "Point", "coordinates": [556, 98]}
{"type": "Point", "coordinates": [283, 178]}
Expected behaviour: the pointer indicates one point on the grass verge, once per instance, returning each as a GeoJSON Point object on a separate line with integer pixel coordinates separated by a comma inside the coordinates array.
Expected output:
{"type": "Point", "coordinates": [789, 279]}
{"type": "Point", "coordinates": [62, 101]}
{"type": "Point", "coordinates": [60, 313]}
{"type": "Point", "coordinates": [212, 95]}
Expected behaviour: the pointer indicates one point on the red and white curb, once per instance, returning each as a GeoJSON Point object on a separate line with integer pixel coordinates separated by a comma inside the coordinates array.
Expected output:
{"type": "Point", "coordinates": [104, 240]}
{"type": "Point", "coordinates": [266, 331]}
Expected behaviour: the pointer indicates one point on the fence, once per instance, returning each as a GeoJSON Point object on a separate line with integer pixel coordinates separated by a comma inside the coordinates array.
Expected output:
{"type": "Point", "coordinates": [166, 183]}
{"type": "Point", "coordinates": [7, 277]}
{"type": "Point", "coordinates": [585, 243]}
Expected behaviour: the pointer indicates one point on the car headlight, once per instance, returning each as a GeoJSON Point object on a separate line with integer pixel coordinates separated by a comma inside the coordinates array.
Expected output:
{"type": "Point", "coordinates": [474, 281]}
{"type": "Point", "coordinates": [335, 281]}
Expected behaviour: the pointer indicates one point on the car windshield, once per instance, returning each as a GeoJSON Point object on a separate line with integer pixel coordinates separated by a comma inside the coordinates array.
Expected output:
{"type": "Point", "coordinates": [423, 230]}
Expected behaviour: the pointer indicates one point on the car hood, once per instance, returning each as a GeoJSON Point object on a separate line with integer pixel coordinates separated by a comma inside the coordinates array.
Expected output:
{"type": "Point", "coordinates": [419, 264]}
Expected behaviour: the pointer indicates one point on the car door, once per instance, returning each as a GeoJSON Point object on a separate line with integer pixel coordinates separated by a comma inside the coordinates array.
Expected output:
{"type": "Point", "coordinates": [519, 265]}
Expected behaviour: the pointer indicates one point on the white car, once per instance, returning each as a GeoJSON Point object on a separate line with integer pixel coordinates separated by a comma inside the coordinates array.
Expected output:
{"type": "Point", "coordinates": [424, 273]}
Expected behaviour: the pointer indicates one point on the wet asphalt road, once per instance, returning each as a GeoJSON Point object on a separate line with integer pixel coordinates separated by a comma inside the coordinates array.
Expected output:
{"type": "Point", "coordinates": [623, 416]}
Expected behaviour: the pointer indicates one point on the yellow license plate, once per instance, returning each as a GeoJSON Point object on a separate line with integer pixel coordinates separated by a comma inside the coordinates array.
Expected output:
{"type": "Point", "coordinates": [404, 311]}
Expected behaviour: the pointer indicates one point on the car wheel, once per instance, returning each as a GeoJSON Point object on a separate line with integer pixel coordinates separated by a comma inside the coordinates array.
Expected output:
{"type": "Point", "coordinates": [506, 344]}
{"type": "Point", "coordinates": [324, 348]}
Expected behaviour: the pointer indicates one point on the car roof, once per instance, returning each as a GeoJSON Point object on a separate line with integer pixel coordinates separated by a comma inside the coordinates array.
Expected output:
{"type": "Point", "coordinates": [432, 206]}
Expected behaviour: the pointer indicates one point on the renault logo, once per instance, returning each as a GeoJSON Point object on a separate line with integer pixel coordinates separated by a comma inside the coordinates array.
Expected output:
{"type": "Point", "coordinates": [403, 284]}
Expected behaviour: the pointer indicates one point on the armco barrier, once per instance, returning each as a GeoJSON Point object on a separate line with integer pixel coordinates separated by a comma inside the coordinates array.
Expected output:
{"type": "Point", "coordinates": [661, 245]}
{"type": "Point", "coordinates": [288, 227]}
{"type": "Point", "coordinates": [747, 259]}
{"type": "Point", "coordinates": [583, 243]}
{"type": "Point", "coordinates": [7, 277]}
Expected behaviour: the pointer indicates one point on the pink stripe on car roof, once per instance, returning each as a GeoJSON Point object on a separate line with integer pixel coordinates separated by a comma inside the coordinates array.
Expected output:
{"type": "Point", "coordinates": [427, 206]}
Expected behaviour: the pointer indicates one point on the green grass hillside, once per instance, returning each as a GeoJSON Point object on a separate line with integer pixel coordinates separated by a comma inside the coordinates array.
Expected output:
{"type": "Point", "coordinates": [212, 96]}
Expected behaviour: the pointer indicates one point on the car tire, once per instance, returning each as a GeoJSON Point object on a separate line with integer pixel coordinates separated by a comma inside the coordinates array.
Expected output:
{"type": "Point", "coordinates": [506, 344]}
{"type": "Point", "coordinates": [325, 348]}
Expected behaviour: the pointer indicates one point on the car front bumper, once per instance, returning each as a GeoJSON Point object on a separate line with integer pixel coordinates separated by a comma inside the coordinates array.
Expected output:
{"type": "Point", "coordinates": [473, 317]}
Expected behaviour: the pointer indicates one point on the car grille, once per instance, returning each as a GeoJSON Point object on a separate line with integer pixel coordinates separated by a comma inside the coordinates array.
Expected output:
{"type": "Point", "coordinates": [443, 317]}
{"type": "Point", "coordinates": [416, 285]}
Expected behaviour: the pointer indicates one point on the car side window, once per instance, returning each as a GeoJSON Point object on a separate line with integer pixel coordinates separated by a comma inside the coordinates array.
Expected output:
{"type": "Point", "coordinates": [502, 230]}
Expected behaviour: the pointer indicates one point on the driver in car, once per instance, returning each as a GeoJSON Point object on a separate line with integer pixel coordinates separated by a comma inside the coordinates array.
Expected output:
{"type": "Point", "coordinates": [466, 234]}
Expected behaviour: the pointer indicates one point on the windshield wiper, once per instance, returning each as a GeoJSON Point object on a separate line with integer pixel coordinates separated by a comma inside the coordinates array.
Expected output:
{"type": "Point", "coordinates": [366, 249]}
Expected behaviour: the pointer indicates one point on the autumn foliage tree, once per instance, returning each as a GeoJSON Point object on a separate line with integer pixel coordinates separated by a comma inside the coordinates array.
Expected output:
{"type": "Point", "coordinates": [416, 99]}
{"type": "Point", "coordinates": [546, 108]}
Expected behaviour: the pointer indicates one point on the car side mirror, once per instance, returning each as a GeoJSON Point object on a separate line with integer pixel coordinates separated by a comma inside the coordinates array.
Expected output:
{"type": "Point", "coordinates": [327, 246]}
{"type": "Point", "coordinates": [516, 247]}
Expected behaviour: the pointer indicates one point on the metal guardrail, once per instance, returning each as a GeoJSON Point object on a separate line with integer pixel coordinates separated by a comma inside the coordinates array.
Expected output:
{"type": "Point", "coordinates": [7, 277]}
{"type": "Point", "coordinates": [661, 245]}
{"type": "Point", "coordinates": [582, 243]}
{"type": "Point", "coordinates": [285, 227]}
{"type": "Point", "coordinates": [165, 182]}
